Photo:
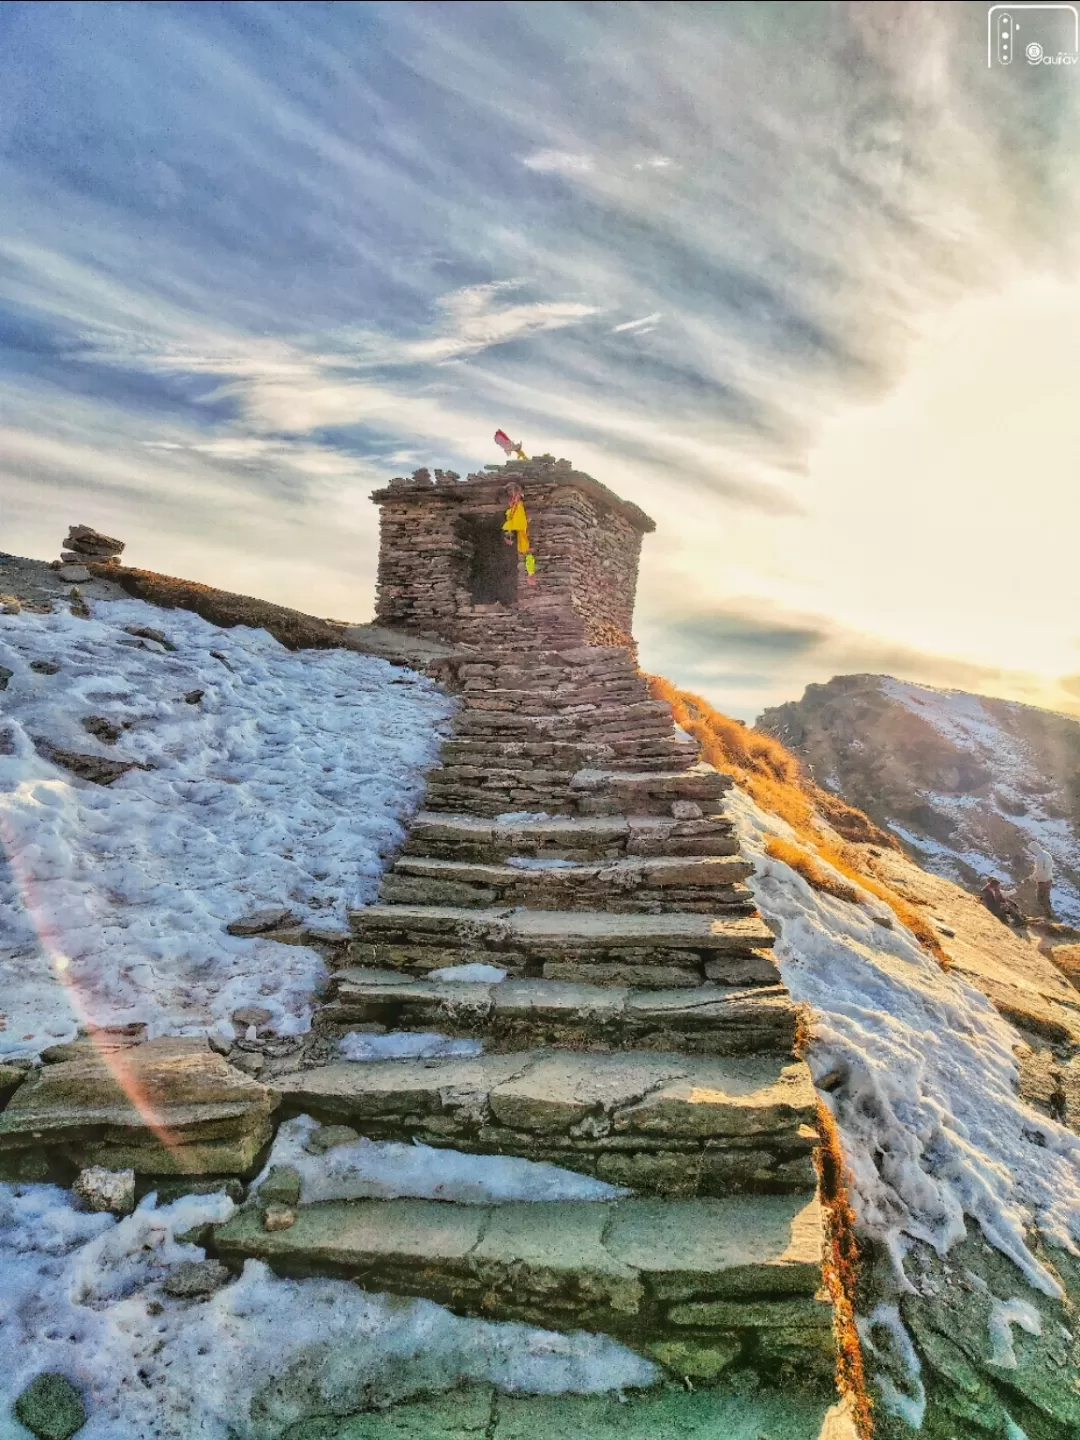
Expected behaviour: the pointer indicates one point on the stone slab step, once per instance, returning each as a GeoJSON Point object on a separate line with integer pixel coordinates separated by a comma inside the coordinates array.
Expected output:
{"type": "Point", "coordinates": [168, 1107]}
{"type": "Point", "coordinates": [664, 1123]}
{"type": "Point", "coordinates": [701, 1285]}
{"type": "Point", "coordinates": [674, 949]}
{"type": "Point", "coordinates": [465, 837]}
{"type": "Point", "coordinates": [704, 883]}
{"type": "Point", "coordinates": [707, 1020]}
{"type": "Point", "coordinates": [665, 1413]}
{"type": "Point", "coordinates": [646, 792]}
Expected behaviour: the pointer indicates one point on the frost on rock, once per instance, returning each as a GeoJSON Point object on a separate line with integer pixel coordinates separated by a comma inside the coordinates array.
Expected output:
{"type": "Point", "coordinates": [404, 1045]}
{"type": "Point", "coordinates": [388, 1170]}
{"type": "Point", "coordinates": [88, 1295]}
{"type": "Point", "coordinates": [924, 1089]}
{"type": "Point", "coordinates": [283, 787]}
{"type": "Point", "coordinates": [476, 974]}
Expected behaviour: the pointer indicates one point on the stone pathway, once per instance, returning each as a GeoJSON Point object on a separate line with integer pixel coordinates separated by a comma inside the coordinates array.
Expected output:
{"type": "Point", "coordinates": [573, 841]}
{"type": "Point", "coordinates": [641, 1035]}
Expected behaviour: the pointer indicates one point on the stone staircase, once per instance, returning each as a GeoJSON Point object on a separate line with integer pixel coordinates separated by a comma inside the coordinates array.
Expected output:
{"type": "Point", "coordinates": [641, 1035]}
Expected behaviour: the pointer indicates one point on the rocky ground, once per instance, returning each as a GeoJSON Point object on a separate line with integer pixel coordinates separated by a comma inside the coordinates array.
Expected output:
{"type": "Point", "coordinates": [965, 781]}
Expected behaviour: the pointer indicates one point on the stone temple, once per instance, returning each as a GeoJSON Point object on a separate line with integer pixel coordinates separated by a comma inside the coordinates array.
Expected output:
{"type": "Point", "coordinates": [444, 567]}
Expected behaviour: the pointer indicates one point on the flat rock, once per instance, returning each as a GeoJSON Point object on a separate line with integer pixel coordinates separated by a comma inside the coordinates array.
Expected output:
{"type": "Point", "coordinates": [168, 1107]}
{"type": "Point", "coordinates": [74, 574]}
{"type": "Point", "coordinates": [666, 1413]}
{"type": "Point", "coordinates": [715, 1019]}
{"type": "Point", "coordinates": [270, 918]}
{"type": "Point", "coordinates": [620, 1267]}
{"type": "Point", "coordinates": [657, 1122]}
{"type": "Point", "coordinates": [194, 1279]}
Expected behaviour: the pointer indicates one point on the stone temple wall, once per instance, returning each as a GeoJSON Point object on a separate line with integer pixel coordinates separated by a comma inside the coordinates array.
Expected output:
{"type": "Point", "coordinates": [587, 544]}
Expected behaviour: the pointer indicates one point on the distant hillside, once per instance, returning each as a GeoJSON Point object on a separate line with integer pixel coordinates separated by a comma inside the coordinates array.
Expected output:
{"type": "Point", "coordinates": [965, 781]}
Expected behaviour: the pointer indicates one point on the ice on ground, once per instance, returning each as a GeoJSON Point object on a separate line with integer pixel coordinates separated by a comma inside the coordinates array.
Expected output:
{"type": "Point", "coordinates": [404, 1045]}
{"type": "Point", "coordinates": [522, 815]}
{"type": "Point", "coordinates": [475, 974]}
{"type": "Point", "coordinates": [536, 862]}
{"type": "Point", "coordinates": [284, 783]}
{"type": "Point", "coordinates": [1004, 1315]}
{"type": "Point", "coordinates": [387, 1170]}
{"type": "Point", "coordinates": [82, 1296]}
{"type": "Point", "coordinates": [933, 1129]}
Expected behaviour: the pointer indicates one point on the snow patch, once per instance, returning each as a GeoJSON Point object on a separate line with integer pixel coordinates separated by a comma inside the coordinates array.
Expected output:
{"type": "Point", "coordinates": [387, 1170]}
{"type": "Point", "coordinates": [933, 1129]}
{"type": "Point", "coordinates": [1004, 1315]}
{"type": "Point", "coordinates": [82, 1296]}
{"type": "Point", "coordinates": [404, 1045]}
{"type": "Point", "coordinates": [470, 974]}
{"type": "Point", "coordinates": [285, 783]}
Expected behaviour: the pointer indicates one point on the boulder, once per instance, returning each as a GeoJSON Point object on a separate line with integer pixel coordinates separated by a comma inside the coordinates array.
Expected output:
{"type": "Point", "coordinates": [195, 1279]}
{"type": "Point", "coordinates": [111, 1191]}
{"type": "Point", "coordinates": [169, 1107]}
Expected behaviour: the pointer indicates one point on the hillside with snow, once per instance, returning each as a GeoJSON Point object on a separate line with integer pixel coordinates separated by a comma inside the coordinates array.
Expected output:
{"type": "Point", "coordinates": [250, 776]}
{"type": "Point", "coordinates": [966, 782]}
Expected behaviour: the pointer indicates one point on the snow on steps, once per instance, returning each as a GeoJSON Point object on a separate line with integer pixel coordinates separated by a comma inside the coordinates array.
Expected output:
{"type": "Point", "coordinates": [659, 1123]}
{"type": "Point", "coordinates": [708, 1019]}
{"type": "Point", "coordinates": [696, 1284]}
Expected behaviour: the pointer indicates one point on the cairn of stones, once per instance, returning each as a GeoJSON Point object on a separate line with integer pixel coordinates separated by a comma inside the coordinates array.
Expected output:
{"type": "Point", "coordinates": [85, 546]}
{"type": "Point", "coordinates": [631, 1017]}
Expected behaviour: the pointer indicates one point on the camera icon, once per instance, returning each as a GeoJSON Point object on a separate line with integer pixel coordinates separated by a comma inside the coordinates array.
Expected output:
{"type": "Point", "coordinates": [1046, 34]}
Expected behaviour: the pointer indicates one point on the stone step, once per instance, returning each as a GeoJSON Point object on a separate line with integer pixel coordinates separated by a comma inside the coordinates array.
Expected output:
{"type": "Point", "coordinates": [607, 837]}
{"type": "Point", "coordinates": [485, 791]}
{"type": "Point", "coordinates": [698, 1285]}
{"type": "Point", "coordinates": [168, 1107]}
{"type": "Point", "coordinates": [647, 792]}
{"type": "Point", "coordinates": [707, 1020]}
{"type": "Point", "coordinates": [666, 1412]}
{"type": "Point", "coordinates": [704, 883]}
{"type": "Point", "coordinates": [519, 754]}
{"type": "Point", "coordinates": [650, 951]}
{"type": "Point", "coordinates": [663, 1123]}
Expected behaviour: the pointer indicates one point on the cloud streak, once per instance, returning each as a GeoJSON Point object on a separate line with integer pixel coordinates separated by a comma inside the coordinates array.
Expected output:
{"type": "Point", "coordinates": [263, 257]}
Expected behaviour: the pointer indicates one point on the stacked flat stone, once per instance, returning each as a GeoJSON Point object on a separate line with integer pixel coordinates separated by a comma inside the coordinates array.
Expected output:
{"type": "Point", "coordinates": [85, 546]}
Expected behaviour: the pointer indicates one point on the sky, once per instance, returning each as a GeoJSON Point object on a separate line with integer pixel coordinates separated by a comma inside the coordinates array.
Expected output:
{"type": "Point", "coordinates": [801, 280]}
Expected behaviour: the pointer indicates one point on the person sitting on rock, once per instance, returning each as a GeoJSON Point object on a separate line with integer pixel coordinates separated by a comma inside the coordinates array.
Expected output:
{"type": "Point", "coordinates": [1000, 905]}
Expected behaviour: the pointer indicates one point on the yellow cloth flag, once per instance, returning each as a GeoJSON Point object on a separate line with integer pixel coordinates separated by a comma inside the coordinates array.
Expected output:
{"type": "Point", "coordinates": [517, 522]}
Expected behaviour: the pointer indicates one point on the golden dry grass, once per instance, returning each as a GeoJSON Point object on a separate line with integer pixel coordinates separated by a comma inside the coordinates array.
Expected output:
{"type": "Point", "coordinates": [773, 778]}
{"type": "Point", "coordinates": [841, 1270]}
{"type": "Point", "coordinates": [804, 864]}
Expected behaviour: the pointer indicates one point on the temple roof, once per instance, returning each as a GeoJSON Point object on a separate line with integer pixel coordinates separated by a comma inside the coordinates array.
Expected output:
{"type": "Point", "coordinates": [485, 484]}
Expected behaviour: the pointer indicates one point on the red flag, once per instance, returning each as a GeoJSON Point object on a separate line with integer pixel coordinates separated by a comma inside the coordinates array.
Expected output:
{"type": "Point", "coordinates": [511, 447]}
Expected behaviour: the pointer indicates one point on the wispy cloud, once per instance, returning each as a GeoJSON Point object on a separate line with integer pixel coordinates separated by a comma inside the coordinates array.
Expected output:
{"type": "Point", "coordinates": [263, 257]}
{"type": "Point", "coordinates": [559, 162]}
{"type": "Point", "coordinates": [647, 322]}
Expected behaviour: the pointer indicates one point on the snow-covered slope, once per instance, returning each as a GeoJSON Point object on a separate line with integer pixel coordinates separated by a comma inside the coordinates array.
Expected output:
{"type": "Point", "coordinates": [965, 781]}
{"type": "Point", "coordinates": [967, 1200]}
{"type": "Point", "coordinates": [271, 777]}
